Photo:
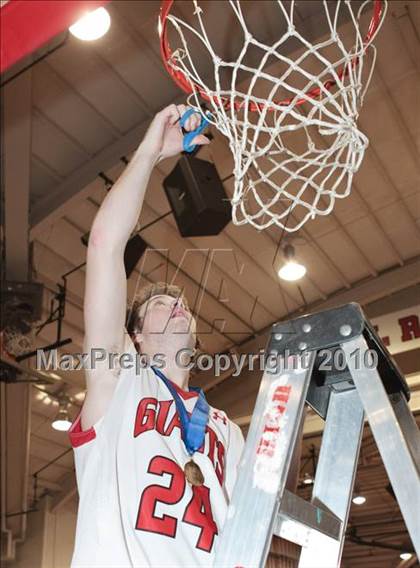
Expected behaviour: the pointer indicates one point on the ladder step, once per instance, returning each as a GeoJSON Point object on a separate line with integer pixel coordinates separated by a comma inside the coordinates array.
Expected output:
{"type": "Point", "coordinates": [298, 519]}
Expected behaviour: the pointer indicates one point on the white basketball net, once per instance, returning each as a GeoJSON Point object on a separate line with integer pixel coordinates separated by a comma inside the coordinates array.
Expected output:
{"type": "Point", "coordinates": [17, 343]}
{"type": "Point", "coordinates": [291, 161]}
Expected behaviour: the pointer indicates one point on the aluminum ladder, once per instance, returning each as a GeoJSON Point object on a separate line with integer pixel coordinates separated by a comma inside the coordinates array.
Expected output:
{"type": "Point", "coordinates": [334, 361]}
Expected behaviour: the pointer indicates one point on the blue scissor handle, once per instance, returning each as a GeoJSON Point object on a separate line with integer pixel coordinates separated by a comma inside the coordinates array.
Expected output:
{"type": "Point", "coordinates": [188, 138]}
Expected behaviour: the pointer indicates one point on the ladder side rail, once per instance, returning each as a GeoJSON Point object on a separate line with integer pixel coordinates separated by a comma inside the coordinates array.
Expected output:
{"type": "Point", "coordinates": [335, 474]}
{"type": "Point", "coordinates": [389, 436]}
{"type": "Point", "coordinates": [407, 424]}
{"type": "Point", "coordinates": [264, 465]}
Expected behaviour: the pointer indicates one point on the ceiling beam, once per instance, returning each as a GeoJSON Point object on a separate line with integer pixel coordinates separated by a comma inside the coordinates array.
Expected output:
{"type": "Point", "coordinates": [54, 205]}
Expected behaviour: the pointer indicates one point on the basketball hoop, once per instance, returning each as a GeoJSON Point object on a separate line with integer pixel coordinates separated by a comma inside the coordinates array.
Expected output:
{"type": "Point", "coordinates": [293, 154]}
{"type": "Point", "coordinates": [15, 342]}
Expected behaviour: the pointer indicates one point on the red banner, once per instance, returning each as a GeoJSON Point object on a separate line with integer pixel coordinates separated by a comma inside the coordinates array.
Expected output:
{"type": "Point", "coordinates": [26, 25]}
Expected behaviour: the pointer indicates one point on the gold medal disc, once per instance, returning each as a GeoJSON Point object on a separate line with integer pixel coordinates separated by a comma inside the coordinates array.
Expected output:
{"type": "Point", "coordinates": [193, 473]}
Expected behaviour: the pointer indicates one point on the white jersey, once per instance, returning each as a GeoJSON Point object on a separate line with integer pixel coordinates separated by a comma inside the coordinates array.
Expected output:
{"type": "Point", "coordinates": [136, 508]}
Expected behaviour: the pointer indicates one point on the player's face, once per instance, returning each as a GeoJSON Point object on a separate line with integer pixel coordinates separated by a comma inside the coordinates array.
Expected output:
{"type": "Point", "coordinates": [166, 314]}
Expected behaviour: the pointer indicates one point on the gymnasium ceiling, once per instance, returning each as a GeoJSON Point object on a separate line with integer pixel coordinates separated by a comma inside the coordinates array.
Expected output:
{"type": "Point", "coordinates": [90, 105]}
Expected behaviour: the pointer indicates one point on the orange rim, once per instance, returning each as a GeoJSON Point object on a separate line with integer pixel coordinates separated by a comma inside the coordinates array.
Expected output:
{"type": "Point", "coordinates": [189, 87]}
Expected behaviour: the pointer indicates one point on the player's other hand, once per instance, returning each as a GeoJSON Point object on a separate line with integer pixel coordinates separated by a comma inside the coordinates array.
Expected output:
{"type": "Point", "coordinates": [164, 138]}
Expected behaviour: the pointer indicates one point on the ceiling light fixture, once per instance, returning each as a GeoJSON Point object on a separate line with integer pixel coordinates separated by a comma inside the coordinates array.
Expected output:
{"type": "Point", "coordinates": [62, 421]}
{"type": "Point", "coordinates": [308, 479]}
{"type": "Point", "coordinates": [359, 500]}
{"type": "Point", "coordinates": [405, 555]}
{"type": "Point", "coordinates": [80, 396]}
{"type": "Point", "coordinates": [92, 26]}
{"type": "Point", "coordinates": [291, 269]}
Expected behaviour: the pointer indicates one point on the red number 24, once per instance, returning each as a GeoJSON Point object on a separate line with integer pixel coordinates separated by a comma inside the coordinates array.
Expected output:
{"type": "Point", "coordinates": [197, 513]}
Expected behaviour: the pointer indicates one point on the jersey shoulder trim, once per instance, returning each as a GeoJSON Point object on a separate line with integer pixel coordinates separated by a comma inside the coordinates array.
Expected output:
{"type": "Point", "coordinates": [77, 436]}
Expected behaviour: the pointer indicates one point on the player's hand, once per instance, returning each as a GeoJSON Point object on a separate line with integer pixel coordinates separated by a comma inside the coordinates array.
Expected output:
{"type": "Point", "coordinates": [164, 137]}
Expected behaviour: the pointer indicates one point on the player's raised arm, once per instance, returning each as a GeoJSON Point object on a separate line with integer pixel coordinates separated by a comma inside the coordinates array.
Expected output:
{"type": "Point", "coordinates": [106, 288]}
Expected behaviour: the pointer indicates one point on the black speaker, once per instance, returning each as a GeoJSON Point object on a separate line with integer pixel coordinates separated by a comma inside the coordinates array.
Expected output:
{"type": "Point", "coordinates": [197, 198]}
{"type": "Point", "coordinates": [133, 252]}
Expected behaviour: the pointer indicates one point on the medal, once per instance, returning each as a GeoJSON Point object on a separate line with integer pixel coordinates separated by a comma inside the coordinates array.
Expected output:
{"type": "Point", "coordinates": [193, 473]}
{"type": "Point", "coordinates": [193, 428]}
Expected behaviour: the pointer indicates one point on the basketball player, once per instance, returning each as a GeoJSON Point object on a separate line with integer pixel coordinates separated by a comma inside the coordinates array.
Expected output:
{"type": "Point", "coordinates": [155, 465]}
